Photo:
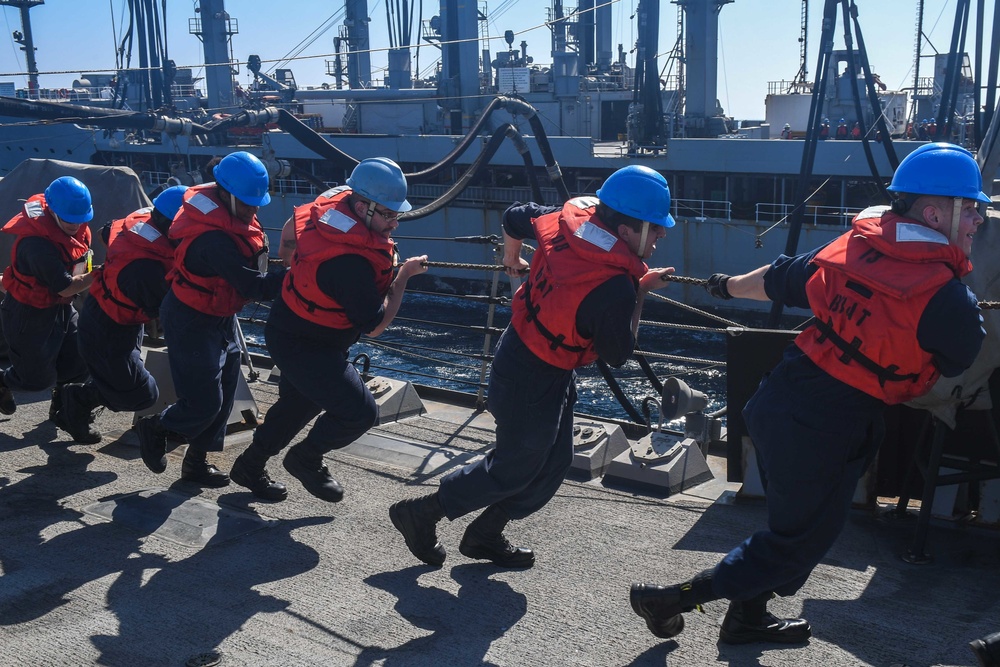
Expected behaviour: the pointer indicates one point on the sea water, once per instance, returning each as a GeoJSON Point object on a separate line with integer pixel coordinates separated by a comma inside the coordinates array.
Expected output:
{"type": "Point", "coordinates": [434, 341]}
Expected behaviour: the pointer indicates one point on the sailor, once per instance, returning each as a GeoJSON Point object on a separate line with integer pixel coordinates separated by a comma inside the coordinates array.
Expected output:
{"type": "Point", "coordinates": [344, 281]}
{"type": "Point", "coordinates": [50, 262]}
{"type": "Point", "coordinates": [842, 129]}
{"type": "Point", "coordinates": [891, 315]}
{"type": "Point", "coordinates": [220, 264]}
{"type": "Point", "coordinates": [824, 130]}
{"type": "Point", "coordinates": [856, 131]}
{"type": "Point", "coordinates": [581, 302]}
{"type": "Point", "coordinates": [126, 294]}
{"type": "Point", "coordinates": [786, 131]}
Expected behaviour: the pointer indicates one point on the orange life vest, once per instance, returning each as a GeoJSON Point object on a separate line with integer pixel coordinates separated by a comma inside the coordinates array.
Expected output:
{"type": "Point", "coordinates": [36, 220]}
{"type": "Point", "coordinates": [131, 238]}
{"type": "Point", "coordinates": [576, 253]}
{"type": "Point", "coordinates": [203, 212]}
{"type": "Point", "coordinates": [868, 295]}
{"type": "Point", "coordinates": [325, 229]}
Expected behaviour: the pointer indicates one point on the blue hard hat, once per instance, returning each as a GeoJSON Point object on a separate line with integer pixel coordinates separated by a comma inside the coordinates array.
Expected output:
{"type": "Point", "coordinates": [382, 181]}
{"type": "Point", "coordinates": [70, 199]}
{"type": "Point", "coordinates": [169, 201]}
{"type": "Point", "coordinates": [243, 175]}
{"type": "Point", "coordinates": [639, 192]}
{"type": "Point", "coordinates": [941, 169]}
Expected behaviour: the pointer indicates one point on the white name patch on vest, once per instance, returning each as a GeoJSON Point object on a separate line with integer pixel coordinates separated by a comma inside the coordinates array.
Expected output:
{"type": "Point", "coordinates": [909, 232]}
{"type": "Point", "coordinates": [872, 212]}
{"type": "Point", "coordinates": [33, 209]}
{"type": "Point", "coordinates": [334, 191]}
{"type": "Point", "coordinates": [337, 220]}
{"type": "Point", "coordinates": [585, 201]}
{"type": "Point", "coordinates": [203, 203]}
{"type": "Point", "coordinates": [595, 235]}
{"type": "Point", "coordinates": [146, 231]}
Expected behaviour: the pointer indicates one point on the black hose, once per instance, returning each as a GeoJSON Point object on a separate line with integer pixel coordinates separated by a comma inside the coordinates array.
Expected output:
{"type": "Point", "coordinates": [616, 389]}
{"type": "Point", "coordinates": [314, 141]}
{"type": "Point", "coordinates": [463, 145]}
{"type": "Point", "coordinates": [555, 173]}
{"type": "Point", "coordinates": [463, 181]}
{"type": "Point", "coordinates": [648, 370]}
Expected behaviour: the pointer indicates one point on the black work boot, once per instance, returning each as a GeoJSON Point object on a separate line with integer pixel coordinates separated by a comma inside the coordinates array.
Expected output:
{"type": "Point", "coordinates": [415, 519]}
{"type": "Point", "coordinates": [749, 621]}
{"type": "Point", "coordinates": [313, 474]}
{"type": "Point", "coordinates": [55, 407]}
{"type": "Point", "coordinates": [661, 606]}
{"type": "Point", "coordinates": [152, 442]}
{"type": "Point", "coordinates": [484, 539]}
{"type": "Point", "coordinates": [77, 414]}
{"type": "Point", "coordinates": [248, 470]}
{"type": "Point", "coordinates": [197, 470]}
{"type": "Point", "coordinates": [987, 650]}
{"type": "Point", "coordinates": [7, 404]}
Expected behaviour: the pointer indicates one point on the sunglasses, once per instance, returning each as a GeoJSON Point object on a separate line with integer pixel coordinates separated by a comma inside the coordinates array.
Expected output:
{"type": "Point", "coordinates": [386, 213]}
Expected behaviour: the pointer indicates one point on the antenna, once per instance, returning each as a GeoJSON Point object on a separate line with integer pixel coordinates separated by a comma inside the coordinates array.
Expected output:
{"type": "Point", "coordinates": [26, 41]}
{"type": "Point", "coordinates": [800, 83]}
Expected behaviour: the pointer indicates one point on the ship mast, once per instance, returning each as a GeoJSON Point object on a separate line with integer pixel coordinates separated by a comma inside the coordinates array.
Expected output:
{"type": "Point", "coordinates": [801, 82]}
{"type": "Point", "coordinates": [26, 40]}
{"type": "Point", "coordinates": [214, 28]}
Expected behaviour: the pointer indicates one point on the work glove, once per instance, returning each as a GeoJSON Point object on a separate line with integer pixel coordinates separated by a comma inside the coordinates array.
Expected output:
{"type": "Point", "coordinates": [716, 286]}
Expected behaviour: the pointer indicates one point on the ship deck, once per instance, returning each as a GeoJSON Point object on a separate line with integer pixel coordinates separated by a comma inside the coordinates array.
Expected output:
{"type": "Point", "coordinates": [106, 563]}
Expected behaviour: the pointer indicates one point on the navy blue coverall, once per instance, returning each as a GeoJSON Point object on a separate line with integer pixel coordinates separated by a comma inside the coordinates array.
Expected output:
{"type": "Point", "coordinates": [112, 350]}
{"type": "Point", "coordinates": [815, 436]}
{"type": "Point", "coordinates": [43, 341]}
{"type": "Point", "coordinates": [316, 375]}
{"type": "Point", "coordinates": [204, 349]}
{"type": "Point", "coordinates": [532, 401]}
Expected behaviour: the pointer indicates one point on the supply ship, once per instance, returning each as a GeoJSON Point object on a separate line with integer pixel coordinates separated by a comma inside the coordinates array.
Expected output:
{"type": "Point", "coordinates": [104, 563]}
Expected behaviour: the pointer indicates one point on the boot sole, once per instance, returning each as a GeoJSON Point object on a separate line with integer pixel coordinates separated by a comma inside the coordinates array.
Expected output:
{"type": "Point", "coordinates": [276, 496]}
{"type": "Point", "coordinates": [156, 462]}
{"type": "Point", "coordinates": [674, 625]}
{"type": "Point", "coordinates": [303, 477]}
{"type": "Point", "coordinates": [435, 561]}
{"type": "Point", "coordinates": [476, 553]}
{"type": "Point", "coordinates": [212, 482]}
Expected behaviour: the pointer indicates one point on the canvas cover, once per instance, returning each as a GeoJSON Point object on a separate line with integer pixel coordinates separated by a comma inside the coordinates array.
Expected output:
{"type": "Point", "coordinates": [116, 192]}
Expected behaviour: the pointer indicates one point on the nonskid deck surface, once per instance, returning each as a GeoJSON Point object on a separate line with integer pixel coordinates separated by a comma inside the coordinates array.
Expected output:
{"type": "Point", "coordinates": [106, 563]}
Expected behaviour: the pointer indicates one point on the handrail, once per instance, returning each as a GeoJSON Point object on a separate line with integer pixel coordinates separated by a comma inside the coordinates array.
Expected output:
{"type": "Point", "coordinates": [768, 213]}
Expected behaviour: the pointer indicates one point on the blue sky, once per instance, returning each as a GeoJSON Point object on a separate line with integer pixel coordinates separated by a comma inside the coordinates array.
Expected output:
{"type": "Point", "coordinates": [759, 38]}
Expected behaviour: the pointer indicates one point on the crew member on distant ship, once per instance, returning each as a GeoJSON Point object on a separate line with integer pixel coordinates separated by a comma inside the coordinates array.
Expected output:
{"type": "Point", "coordinates": [126, 295]}
{"type": "Point", "coordinates": [582, 302]}
{"type": "Point", "coordinates": [842, 129]}
{"type": "Point", "coordinates": [50, 263]}
{"type": "Point", "coordinates": [344, 281]}
{"type": "Point", "coordinates": [824, 130]}
{"type": "Point", "coordinates": [856, 131]}
{"type": "Point", "coordinates": [220, 264]}
{"type": "Point", "coordinates": [891, 315]}
{"type": "Point", "coordinates": [786, 131]}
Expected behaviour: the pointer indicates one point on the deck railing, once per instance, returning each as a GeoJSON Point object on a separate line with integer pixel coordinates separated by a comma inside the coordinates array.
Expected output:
{"type": "Point", "coordinates": [816, 215]}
